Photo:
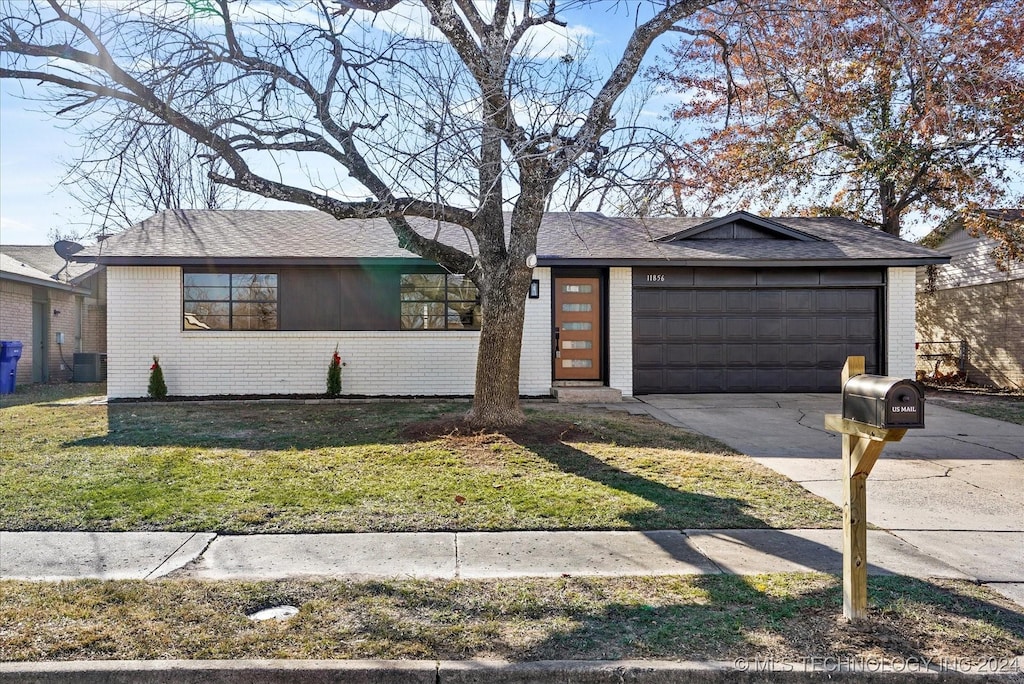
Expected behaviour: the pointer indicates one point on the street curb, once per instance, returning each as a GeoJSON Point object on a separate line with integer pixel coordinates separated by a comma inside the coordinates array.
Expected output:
{"type": "Point", "coordinates": [743, 671]}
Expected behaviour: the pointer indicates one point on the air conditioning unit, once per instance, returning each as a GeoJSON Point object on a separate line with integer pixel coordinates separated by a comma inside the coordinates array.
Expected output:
{"type": "Point", "coordinates": [90, 367]}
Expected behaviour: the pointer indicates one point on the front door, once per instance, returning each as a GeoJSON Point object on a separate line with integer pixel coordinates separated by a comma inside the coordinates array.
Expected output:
{"type": "Point", "coordinates": [40, 341]}
{"type": "Point", "coordinates": [577, 328]}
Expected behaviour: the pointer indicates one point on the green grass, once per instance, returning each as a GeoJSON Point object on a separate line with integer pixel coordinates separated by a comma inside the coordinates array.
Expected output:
{"type": "Point", "coordinates": [784, 616]}
{"type": "Point", "coordinates": [248, 467]}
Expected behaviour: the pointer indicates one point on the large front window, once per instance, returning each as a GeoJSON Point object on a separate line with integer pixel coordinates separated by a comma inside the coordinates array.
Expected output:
{"type": "Point", "coordinates": [439, 301]}
{"type": "Point", "coordinates": [230, 301]}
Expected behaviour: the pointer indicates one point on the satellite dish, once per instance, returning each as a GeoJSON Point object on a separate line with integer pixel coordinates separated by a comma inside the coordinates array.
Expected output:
{"type": "Point", "coordinates": [65, 248]}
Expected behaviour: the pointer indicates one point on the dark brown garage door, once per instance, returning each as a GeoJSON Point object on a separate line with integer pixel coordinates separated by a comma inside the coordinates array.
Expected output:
{"type": "Point", "coordinates": [778, 331]}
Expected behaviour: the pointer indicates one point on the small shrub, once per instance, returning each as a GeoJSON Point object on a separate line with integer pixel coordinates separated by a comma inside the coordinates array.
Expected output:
{"type": "Point", "coordinates": [334, 375]}
{"type": "Point", "coordinates": [157, 386]}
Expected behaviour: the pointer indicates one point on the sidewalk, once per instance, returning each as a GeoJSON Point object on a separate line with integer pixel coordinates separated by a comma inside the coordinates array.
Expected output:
{"type": "Point", "coordinates": [446, 555]}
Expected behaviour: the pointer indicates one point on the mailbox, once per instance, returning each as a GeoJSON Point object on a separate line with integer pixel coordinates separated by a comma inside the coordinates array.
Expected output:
{"type": "Point", "coordinates": [884, 402]}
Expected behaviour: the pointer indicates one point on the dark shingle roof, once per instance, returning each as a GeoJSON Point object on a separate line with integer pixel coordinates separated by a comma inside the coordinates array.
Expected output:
{"type": "Point", "coordinates": [200, 236]}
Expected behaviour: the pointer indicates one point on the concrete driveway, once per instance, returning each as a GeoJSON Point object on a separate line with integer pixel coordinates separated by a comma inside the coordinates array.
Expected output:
{"type": "Point", "coordinates": [955, 489]}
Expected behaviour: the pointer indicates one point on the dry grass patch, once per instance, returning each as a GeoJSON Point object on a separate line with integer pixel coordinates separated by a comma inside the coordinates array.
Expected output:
{"type": "Point", "coordinates": [785, 617]}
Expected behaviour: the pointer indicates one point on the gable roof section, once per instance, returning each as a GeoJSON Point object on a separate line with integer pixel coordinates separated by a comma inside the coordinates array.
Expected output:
{"type": "Point", "coordinates": [44, 258]}
{"type": "Point", "coordinates": [15, 269]}
{"type": "Point", "coordinates": [739, 225]}
{"type": "Point", "coordinates": [299, 237]}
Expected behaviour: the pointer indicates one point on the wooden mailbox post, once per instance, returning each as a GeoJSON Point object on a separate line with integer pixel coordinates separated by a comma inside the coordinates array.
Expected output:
{"type": "Point", "coordinates": [862, 445]}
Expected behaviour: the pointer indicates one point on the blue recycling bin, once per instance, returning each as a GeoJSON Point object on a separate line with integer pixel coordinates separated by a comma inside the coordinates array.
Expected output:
{"type": "Point", "coordinates": [10, 352]}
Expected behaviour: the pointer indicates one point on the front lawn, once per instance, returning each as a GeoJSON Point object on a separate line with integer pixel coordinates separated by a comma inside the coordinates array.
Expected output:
{"type": "Point", "coordinates": [246, 467]}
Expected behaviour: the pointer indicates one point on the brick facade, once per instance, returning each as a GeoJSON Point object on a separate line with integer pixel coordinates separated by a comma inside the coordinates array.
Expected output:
{"type": "Point", "coordinates": [972, 300]}
{"type": "Point", "coordinates": [144, 319]}
{"type": "Point", "coordinates": [620, 329]}
{"type": "Point", "coordinates": [81, 318]}
{"type": "Point", "coordinates": [899, 321]}
{"type": "Point", "coordinates": [990, 318]}
{"type": "Point", "coordinates": [16, 323]}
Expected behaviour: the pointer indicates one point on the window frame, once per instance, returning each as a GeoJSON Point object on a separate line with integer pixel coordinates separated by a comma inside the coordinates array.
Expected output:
{"type": "Point", "coordinates": [231, 300]}
{"type": "Point", "coordinates": [448, 299]}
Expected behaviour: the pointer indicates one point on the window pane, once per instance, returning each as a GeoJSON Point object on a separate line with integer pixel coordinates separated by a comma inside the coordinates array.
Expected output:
{"type": "Point", "coordinates": [418, 287]}
{"type": "Point", "coordinates": [206, 308]}
{"type": "Point", "coordinates": [576, 363]}
{"type": "Point", "coordinates": [254, 323]}
{"type": "Point", "coordinates": [577, 325]}
{"type": "Point", "coordinates": [461, 288]}
{"type": "Point", "coordinates": [577, 344]}
{"type": "Point", "coordinates": [254, 286]}
{"type": "Point", "coordinates": [206, 322]}
{"type": "Point", "coordinates": [214, 293]}
{"type": "Point", "coordinates": [576, 307]}
{"type": "Point", "coordinates": [207, 280]}
{"type": "Point", "coordinates": [259, 315]}
{"type": "Point", "coordinates": [425, 316]}
{"type": "Point", "coordinates": [463, 315]}
{"type": "Point", "coordinates": [580, 289]}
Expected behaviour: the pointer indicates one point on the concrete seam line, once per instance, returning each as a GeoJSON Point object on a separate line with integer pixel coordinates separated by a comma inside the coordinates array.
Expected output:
{"type": "Point", "coordinates": [171, 555]}
{"type": "Point", "coordinates": [458, 560]}
{"type": "Point", "coordinates": [693, 542]}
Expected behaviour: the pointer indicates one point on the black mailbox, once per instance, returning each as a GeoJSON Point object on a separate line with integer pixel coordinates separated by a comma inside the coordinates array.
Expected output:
{"type": "Point", "coordinates": [884, 402]}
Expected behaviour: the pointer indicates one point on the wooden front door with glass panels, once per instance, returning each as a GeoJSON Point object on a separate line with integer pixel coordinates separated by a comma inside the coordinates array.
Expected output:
{"type": "Point", "coordinates": [577, 328]}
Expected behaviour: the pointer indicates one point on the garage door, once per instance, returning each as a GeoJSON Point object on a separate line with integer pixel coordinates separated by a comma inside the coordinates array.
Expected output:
{"type": "Point", "coordinates": [733, 330]}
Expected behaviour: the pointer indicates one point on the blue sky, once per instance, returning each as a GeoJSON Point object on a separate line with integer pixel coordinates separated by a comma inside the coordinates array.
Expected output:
{"type": "Point", "coordinates": [31, 145]}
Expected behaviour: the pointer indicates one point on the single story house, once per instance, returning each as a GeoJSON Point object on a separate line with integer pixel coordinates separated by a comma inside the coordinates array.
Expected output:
{"type": "Point", "coordinates": [54, 308]}
{"type": "Point", "coordinates": [970, 302]}
{"type": "Point", "coordinates": [255, 302]}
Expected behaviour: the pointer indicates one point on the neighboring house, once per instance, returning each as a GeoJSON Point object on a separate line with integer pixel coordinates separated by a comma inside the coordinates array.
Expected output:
{"type": "Point", "coordinates": [255, 302]}
{"type": "Point", "coordinates": [970, 300]}
{"type": "Point", "coordinates": [54, 308]}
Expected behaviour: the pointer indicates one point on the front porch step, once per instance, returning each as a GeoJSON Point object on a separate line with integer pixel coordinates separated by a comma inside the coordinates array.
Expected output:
{"type": "Point", "coordinates": [584, 394]}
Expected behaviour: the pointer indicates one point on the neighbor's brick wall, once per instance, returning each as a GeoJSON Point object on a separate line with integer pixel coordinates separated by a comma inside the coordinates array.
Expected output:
{"type": "Point", "coordinates": [990, 318]}
{"type": "Point", "coordinates": [62, 357]}
{"type": "Point", "coordinates": [16, 323]}
{"type": "Point", "coordinates": [144, 319]}
{"type": "Point", "coordinates": [620, 329]}
{"type": "Point", "coordinates": [900, 312]}
{"type": "Point", "coordinates": [94, 323]}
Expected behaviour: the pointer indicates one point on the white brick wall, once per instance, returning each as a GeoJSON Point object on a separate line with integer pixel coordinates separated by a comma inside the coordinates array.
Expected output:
{"type": "Point", "coordinates": [144, 319]}
{"type": "Point", "coordinates": [535, 359]}
{"type": "Point", "coordinates": [900, 317]}
{"type": "Point", "coordinates": [620, 329]}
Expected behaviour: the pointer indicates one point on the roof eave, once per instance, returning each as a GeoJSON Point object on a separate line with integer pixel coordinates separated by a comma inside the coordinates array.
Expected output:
{"type": "Point", "coordinates": [55, 284]}
{"type": "Point", "coordinates": [747, 263]}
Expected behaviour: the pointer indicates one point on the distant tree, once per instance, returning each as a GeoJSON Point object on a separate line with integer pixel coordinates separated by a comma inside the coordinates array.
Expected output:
{"type": "Point", "coordinates": [456, 111]}
{"type": "Point", "coordinates": [130, 169]}
{"type": "Point", "coordinates": [870, 109]}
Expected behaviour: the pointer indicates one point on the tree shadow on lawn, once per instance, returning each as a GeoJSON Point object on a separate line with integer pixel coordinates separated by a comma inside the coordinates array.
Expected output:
{"type": "Point", "coordinates": [785, 618]}
{"type": "Point", "coordinates": [254, 427]}
{"type": "Point", "coordinates": [257, 426]}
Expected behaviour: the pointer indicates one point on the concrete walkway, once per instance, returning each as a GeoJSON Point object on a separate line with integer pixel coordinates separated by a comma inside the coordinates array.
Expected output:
{"type": "Point", "coordinates": [954, 490]}
{"type": "Point", "coordinates": [445, 555]}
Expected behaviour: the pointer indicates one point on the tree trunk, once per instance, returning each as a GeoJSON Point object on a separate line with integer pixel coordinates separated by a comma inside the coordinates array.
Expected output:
{"type": "Point", "coordinates": [887, 202]}
{"type": "Point", "coordinates": [496, 401]}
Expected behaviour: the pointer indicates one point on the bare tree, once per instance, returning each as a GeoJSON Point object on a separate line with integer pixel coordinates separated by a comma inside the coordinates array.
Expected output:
{"type": "Point", "coordinates": [454, 110]}
{"type": "Point", "coordinates": [130, 169]}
